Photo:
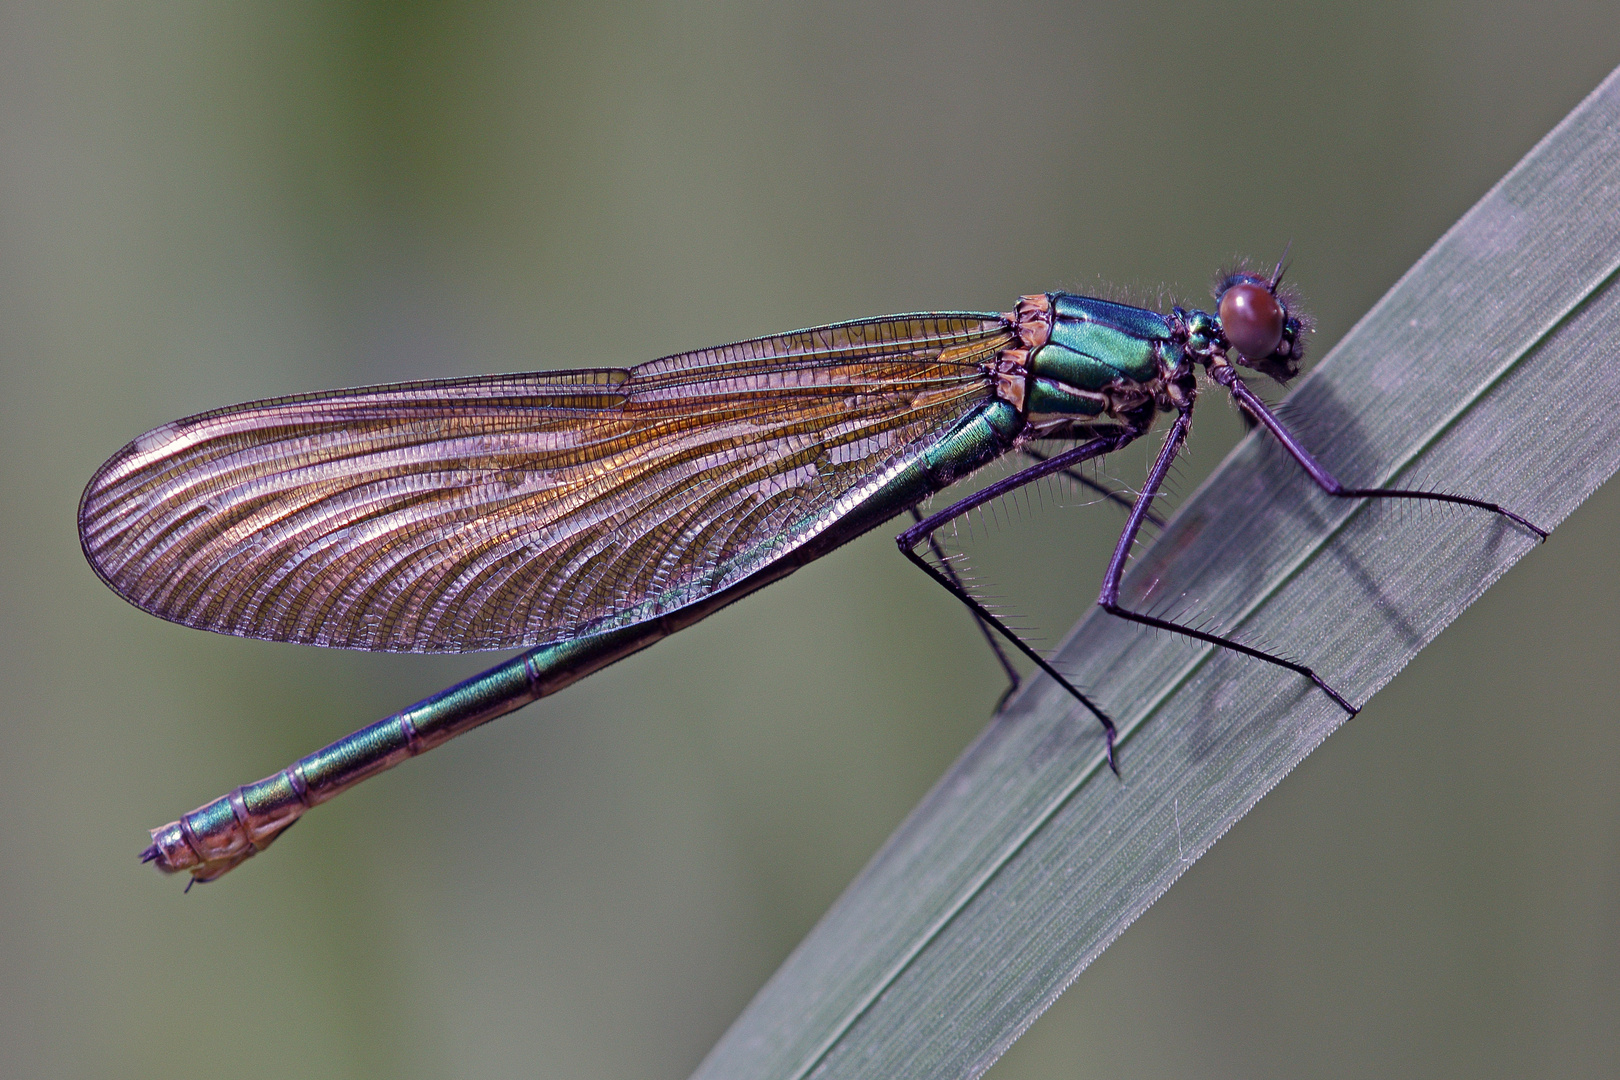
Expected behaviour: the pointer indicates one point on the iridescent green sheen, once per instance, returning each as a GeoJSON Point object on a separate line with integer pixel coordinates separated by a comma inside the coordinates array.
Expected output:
{"type": "Point", "coordinates": [978, 438]}
{"type": "Point", "coordinates": [1095, 344]}
{"type": "Point", "coordinates": [1046, 397]}
{"type": "Point", "coordinates": [1203, 329]}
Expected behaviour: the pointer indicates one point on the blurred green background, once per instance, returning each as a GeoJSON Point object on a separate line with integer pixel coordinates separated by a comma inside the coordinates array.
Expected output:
{"type": "Point", "coordinates": [206, 203]}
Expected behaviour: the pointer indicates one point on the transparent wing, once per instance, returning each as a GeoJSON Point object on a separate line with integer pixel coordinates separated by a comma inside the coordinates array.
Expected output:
{"type": "Point", "coordinates": [511, 510]}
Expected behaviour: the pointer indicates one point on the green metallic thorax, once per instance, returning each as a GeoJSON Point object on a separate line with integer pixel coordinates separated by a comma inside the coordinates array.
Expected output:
{"type": "Point", "coordinates": [1096, 348]}
{"type": "Point", "coordinates": [1086, 357]}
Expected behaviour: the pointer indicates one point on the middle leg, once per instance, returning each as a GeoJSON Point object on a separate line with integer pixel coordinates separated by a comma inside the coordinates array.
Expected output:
{"type": "Point", "coordinates": [1109, 598]}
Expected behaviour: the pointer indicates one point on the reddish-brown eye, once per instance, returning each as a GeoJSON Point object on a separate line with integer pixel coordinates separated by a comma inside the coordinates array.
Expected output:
{"type": "Point", "coordinates": [1252, 319]}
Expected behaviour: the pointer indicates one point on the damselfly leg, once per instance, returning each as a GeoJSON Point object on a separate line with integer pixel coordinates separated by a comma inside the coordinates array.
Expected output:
{"type": "Point", "coordinates": [1118, 498]}
{"type": "Point", "coordinates": [924, 530]}
{"type": "Point", "coordinates": [1252, 405]}
{"type": "Point", "coordinates": [1140, 513]}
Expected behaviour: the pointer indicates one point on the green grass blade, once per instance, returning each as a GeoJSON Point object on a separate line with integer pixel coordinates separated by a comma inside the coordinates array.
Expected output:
{"type": "Point", "coordinates": [1489, 370]}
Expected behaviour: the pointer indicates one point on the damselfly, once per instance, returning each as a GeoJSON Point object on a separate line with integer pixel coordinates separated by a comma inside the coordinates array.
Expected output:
{"type": "Point", "coordinates": [586, 514]}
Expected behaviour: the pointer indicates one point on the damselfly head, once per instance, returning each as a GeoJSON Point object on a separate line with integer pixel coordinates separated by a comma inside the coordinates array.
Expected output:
{"type": "Point", "coordinates": [1259, 318]}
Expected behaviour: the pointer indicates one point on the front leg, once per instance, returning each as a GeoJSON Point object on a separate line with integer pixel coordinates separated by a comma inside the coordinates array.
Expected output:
{"type": "Point", "coordinates": [1255, 408]}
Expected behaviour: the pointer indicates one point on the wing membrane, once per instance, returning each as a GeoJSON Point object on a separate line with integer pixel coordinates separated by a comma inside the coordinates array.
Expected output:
{"type": "Point", "coordinates": [511, 510]}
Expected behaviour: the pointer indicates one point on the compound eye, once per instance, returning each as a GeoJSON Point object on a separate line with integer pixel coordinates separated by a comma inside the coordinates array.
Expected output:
{"type": "Point", "coordinates": [1252, 319]}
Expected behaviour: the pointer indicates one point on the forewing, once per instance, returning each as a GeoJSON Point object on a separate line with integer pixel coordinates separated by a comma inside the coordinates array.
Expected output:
{"type": "Point", "coordinates": [511, 510]}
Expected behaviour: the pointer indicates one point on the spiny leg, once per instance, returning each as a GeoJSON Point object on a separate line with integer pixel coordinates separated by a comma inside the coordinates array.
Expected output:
{"type": "Point", "coordinates": [945, 564]}
{"type": "Point", "coordinates": [1109, 598]}
{"type": "Point", "coordinates": [989, 635]}
{"type": "Point", "coordinates": [924, 530]}
{"type": "Point", "coordinates": [1256, 408]}
{"type": "Point", "coordinates": [1117, 498]}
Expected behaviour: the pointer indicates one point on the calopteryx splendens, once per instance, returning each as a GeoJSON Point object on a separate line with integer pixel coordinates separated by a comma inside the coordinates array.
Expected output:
{"type": "Point", "coordinates": [584, 515]}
